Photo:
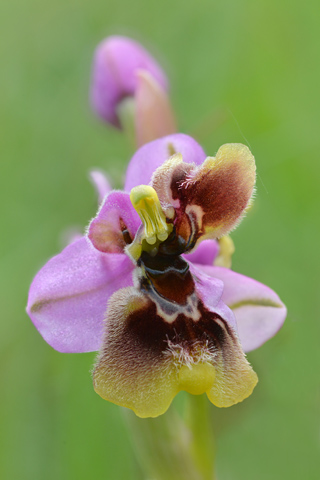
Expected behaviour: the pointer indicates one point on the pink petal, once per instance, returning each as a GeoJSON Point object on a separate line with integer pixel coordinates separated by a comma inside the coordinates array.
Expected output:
{"type": "Point", "coordinates": [100, 183]}
{"type": "Point", "coordinates": [210, 290]}
{"type": "Point", "coordinates": [259, 311]}
{"type": "Point", "coordinates": [116, 62]}
{"type": "Point", "coordinates": [149, 157]}
{"type": "Point", "coordinates": [116, 215]}
{"type": "Point", "coordinates": [205, 253]}
{"type": "Point", "coordinates": [68, 297]}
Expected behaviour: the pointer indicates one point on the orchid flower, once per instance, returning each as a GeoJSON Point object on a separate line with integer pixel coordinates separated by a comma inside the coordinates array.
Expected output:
{"type": "Point", "coordinates": [141, 287]}
{"type": "Point", "coordinates": [128, 82]}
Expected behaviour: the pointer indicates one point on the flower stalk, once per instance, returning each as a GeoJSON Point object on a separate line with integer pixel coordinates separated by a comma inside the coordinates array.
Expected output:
{"type": "Point", "coordinates": [172, 447]}
{"type": "Point", "coordinates": [202, 445]}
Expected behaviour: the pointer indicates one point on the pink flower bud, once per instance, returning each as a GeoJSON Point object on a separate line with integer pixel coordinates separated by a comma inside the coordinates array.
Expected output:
{"type": "Point", "coordinates": [117, 61]}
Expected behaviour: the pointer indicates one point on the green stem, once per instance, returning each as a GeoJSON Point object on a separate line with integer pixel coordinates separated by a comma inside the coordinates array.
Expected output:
{"type": "Point", "coordinates": [202, 445]}
{"type": "Point", "coordinates": [126, 114]}
{"type": "Point", "coordinates": [172, 448]}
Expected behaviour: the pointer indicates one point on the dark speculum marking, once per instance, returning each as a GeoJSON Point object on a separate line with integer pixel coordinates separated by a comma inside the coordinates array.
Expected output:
{"type": "Point", "coordinates": [168, 275]}
{"type": "Point", "coordinates": [149, 331]}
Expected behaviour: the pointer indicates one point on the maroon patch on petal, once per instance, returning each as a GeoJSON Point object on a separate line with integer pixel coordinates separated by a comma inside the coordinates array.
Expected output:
{"type": "Point", "coordinates": [222, 195]}
{"type": "Point", "coordinates": [178, 178]}
{"type": "Point", "coordinates": [209, 200]}
{"type": "Point", "coordinates": [147, 330]}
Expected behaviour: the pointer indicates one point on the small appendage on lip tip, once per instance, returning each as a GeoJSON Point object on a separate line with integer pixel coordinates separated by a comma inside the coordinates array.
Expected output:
{"type": "Point", "coordinates": [146, 202]}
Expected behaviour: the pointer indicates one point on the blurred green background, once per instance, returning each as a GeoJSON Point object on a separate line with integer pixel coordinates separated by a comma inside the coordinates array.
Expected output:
{"type": "Point", "coordinates": [240, 71]}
